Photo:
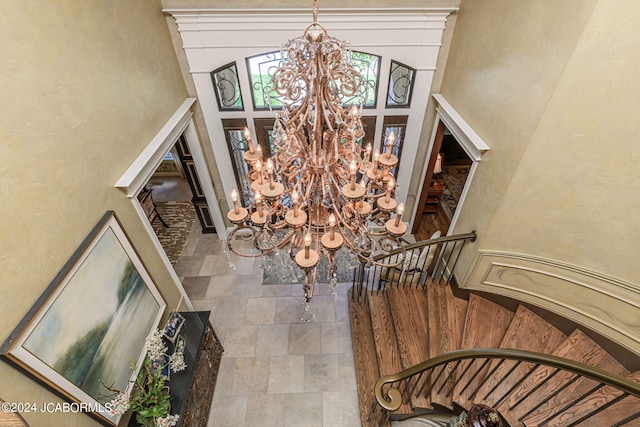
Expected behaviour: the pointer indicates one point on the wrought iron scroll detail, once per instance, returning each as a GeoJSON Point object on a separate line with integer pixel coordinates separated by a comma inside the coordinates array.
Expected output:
{"type": "Point", "coordinates": [261, 69]}
{"type": "Point", "coordinates": [227, 88]}
{"type": "Point", "coordinates": [401, 81]}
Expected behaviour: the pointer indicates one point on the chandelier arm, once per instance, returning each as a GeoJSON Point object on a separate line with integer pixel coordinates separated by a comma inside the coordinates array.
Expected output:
{"type": "Point", "coordinates": [343, 220]}
{"type": "Point", "coordinates": [329, 104]}
{"type": "Point", "coordinates": [286, 238]}
{"type": "Point", "coordinates": [349, 84]}
{"type": "Point", "coordinates": [340, 176]}
{"type": "Point", "coordinates": [309, 187]}
{"type": "Point", "coordinates": [354, 248]}
{"type": "Point", "coordinates": [254, 233]}
{"type": "Point", "coordinates": [280, 225]}
{"type": "Point", "coordinates": [289, 172]}
{"type": "Point", "coordinates": [301, 146]}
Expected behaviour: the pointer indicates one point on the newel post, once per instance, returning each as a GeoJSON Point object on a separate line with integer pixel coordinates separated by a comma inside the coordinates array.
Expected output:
{"type": "Point", "coordinates": [483, 416]}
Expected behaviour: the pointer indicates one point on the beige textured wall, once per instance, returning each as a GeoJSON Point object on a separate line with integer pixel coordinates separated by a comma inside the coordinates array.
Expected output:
{"type": "Point", "coordinates": [84, 86]}
{"type": "Point", "coordinates": [576, 194]}
{"type": "Point", "coordinates": [552, 88]}
{"type": "Point", "coordinates": [505, 62]}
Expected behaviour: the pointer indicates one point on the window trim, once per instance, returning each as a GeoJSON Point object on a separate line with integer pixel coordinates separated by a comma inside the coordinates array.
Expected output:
{"type": "Point", "coordinates": [215, 87]}
{"type": "Point", "coordinates": [413, 80]}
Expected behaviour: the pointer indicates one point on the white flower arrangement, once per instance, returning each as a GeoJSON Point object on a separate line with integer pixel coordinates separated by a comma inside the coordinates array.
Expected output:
{"type": "Point", "coordinates": [176, 362]}
{"type": "Point", "coordinates": [120, 404]}
{"type": "Point", "coordinates": [168, 421]}
{"type": "Point", "coordinates": [154, 345]}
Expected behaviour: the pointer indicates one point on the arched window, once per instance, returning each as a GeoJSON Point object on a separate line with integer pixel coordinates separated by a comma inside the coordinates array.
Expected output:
{"type": "Point", "coordinates": [261, 67]}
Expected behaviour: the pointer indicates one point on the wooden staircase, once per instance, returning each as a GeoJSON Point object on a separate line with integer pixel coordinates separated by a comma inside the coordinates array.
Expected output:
{"type": "Point", "coordinates": [395, 328]}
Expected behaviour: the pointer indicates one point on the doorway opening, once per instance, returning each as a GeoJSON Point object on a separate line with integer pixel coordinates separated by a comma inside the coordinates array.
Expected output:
{"type": "Point", "coordinates": [445, 178]}
{"type": "Point", "coordinates": [454, 171]}
{"type": "Point", "coordinates": [173, 201]}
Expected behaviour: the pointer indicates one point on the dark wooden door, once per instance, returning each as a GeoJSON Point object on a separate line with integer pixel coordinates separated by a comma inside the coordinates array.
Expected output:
{"type": "Point", "coordinates": [198, 200]}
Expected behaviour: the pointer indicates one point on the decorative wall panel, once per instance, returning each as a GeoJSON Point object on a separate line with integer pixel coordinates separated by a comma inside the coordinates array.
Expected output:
{"type": "Point", "coordinates": [607, 305]}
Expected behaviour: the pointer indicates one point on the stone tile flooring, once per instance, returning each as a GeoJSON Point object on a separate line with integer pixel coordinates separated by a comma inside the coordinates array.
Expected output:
{"type": "Point", "coordinates": [276, 370]}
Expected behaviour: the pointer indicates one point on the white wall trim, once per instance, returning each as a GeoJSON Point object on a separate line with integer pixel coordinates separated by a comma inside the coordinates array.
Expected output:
{"type": "Point", "coordinates": [463, 195]}
{"type": "Point", "coordinates": [469, 140]}
{"type": "Point", "coordinates": [307, 11]}
{"type": "Point", "coordinates": [143, 167]}
{"type": "Point", "coordinates": [137, 175]}
{"type": "Point", "coordinates": [603, 303]}
{"type": "Point", "coordinates": [165, 259]}
{"type": "Point", "coordinates": [464, 134]}
{"type": "Point", "coordinates": [191, 136]}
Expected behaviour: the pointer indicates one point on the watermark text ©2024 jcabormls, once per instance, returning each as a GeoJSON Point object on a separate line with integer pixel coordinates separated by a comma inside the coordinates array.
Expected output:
{"type": "Point", "coordinates": [52, 407]}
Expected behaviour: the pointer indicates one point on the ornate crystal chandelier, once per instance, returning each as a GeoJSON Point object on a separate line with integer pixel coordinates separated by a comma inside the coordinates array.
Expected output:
{"type": "Point", "coordinates": [321, 190]}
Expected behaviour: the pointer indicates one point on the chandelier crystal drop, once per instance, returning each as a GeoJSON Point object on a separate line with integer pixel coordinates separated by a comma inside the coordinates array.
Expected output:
{"type": "Point", "coordinates": [321, 190]}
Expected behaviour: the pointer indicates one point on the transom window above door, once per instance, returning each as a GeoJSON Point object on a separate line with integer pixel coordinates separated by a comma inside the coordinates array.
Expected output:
{"type": "Point", "coordinates": [264, 97]}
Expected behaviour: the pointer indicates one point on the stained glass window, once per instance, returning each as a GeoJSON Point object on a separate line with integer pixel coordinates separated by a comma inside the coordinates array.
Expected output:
{"type": "Point", "coordinates": [261, 69]}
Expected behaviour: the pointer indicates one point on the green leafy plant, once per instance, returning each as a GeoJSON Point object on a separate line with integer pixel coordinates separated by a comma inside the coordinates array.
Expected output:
{"type": "Point", "coordinates": [150, 398]}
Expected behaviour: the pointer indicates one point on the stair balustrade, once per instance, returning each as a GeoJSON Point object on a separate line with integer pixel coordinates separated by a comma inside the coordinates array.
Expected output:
{"type": "Point", "coordinates": [603, 399]}
{"type": "Point", "coordinates": [403, 311]}
{"type": "Point", "coordinates": [411, 265]}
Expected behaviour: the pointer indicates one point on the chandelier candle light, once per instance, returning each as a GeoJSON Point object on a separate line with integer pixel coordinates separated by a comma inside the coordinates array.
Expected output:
{"type": "Point", "coordinates": [322, 190]}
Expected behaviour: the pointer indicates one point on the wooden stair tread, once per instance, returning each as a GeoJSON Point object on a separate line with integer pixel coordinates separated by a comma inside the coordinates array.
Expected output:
{"type": "Point", "coordinates": [579, 388]}
{"type": "Point", "coordinates": [485, 326]}
{"type": "Point", "coordinates": [409, 312]}
{"type": "Point", "coordinates": [445, 321]}
{"type": "Point", "coordinates": [457, 318]}
{"type": "Point", "coordinates": [364, 354]}
{"type": "Point", "coordinates": [584, 407]}
{"type": "Point", "coordinates": [527, 331]}
{"type": "Point", "coordinates": [614, 415]}
{"type": "Point", "coordinates": [544, 381]}
{"type": "Point", "coordinates": [440, 331]}
{"type": "Point", "coordinates": [397, 328]}
{"type": "Point", "coordinates": [384, 336]}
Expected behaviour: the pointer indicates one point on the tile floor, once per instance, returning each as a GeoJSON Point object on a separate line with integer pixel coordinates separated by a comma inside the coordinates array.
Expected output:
{"type": "Point", "coordinates": [276, 370]}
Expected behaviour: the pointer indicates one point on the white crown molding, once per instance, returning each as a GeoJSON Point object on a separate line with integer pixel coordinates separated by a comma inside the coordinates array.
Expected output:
{"type": "Point", "coordinates": [416, 24]}
{"type": "Point", "coordinates": [137, 175]}
{"type": "Point", "coordinates": [307, 11]}
{"type": "Point", "coordinates": [272, 46]}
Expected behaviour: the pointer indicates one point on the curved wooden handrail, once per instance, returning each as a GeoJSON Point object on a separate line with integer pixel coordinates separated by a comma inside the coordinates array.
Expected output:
{"type": "Point", "coordinates": [394, 400]}
{"type": "Point", "coordinates": [471, 236]}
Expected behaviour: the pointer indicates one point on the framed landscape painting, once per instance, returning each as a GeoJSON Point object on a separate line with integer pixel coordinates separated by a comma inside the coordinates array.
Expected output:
{"type": "Point", "coordinates": [90, 322]}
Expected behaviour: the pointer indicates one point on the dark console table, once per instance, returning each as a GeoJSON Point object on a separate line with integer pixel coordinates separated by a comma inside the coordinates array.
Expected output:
{"type": "Point", "coordinates": [192, 389]}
